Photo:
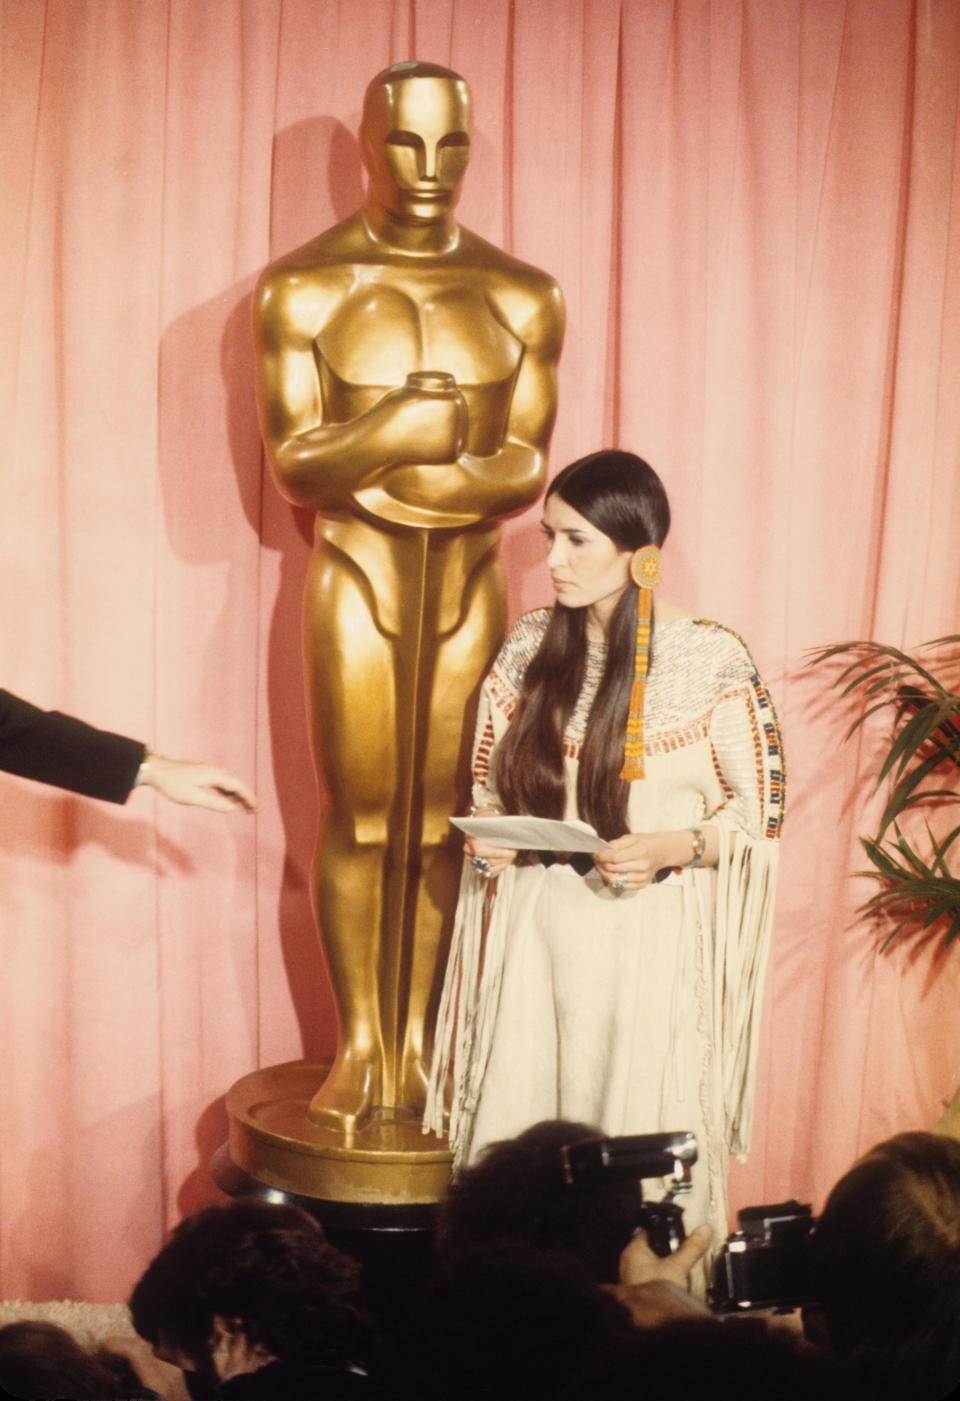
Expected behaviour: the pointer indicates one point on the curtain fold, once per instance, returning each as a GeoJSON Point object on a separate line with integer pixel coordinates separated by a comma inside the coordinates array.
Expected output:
{"type": "Point", "coordinates": [753, 208]}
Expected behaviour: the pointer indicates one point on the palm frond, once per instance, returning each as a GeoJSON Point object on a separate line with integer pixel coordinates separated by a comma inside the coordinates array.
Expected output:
{"type": "Point", "coordinates": [917, 889]}
{"type": "Point", "coordinates": [917, 892]}
{"type": "Point", "coordinates": [882, 653]}
{"type": "Point", "coordinates": [904, 793]}
{"type": "Point", "coordinates": [909, 740]}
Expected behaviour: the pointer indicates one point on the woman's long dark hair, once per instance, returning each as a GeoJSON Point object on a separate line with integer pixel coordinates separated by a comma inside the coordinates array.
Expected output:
{"type": "Point", "coordinates": [621, 495]}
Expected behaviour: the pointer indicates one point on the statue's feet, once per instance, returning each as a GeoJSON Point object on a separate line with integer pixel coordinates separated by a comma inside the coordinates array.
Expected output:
{"type": "Point", "coordinates": [413, 1087]}
{"type": "Point", "coordinates": [351, 1092]}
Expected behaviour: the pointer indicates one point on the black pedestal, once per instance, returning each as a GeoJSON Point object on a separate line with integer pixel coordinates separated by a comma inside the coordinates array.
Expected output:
{"type": "Point", "coordinates": [393, 1244]}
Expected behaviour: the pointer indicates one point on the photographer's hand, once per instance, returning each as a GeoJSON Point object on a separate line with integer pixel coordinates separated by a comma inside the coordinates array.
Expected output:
{"type": "Point", "coordinates": [639, 1264]}
{"type": "Point", "coordinates": [654, 1289]}
{"type": "Point", "coordinates": [658, 1301]}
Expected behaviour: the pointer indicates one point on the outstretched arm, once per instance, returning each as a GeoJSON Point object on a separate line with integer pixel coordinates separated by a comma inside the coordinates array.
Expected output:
{"type": "Point", "coordinates": [50, 747]}
{"type": "Point", "coordinates": [195, 784]}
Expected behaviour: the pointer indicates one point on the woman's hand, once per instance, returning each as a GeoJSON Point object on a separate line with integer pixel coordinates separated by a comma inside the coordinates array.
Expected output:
{"type": "Point", "coordinates": [488, 861]}
{"type": "Point", "coordinates": [631, 861]}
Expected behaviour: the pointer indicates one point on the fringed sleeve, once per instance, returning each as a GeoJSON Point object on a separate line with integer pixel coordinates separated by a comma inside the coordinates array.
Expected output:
{"type": "Point", "coordinates": [746, 885]}
{"type": "Point", "coordinates": [748, 755]}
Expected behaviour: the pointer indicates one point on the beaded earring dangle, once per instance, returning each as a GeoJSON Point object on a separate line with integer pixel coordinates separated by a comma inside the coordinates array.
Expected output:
{"type": "Point", "coordinates": [646, 571]}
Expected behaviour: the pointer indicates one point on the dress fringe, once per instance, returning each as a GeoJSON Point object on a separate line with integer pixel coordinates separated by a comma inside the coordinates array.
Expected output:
{"type": "Point", "coordinates": [746, 886]}
{"type": "Point", "coordinates": [468, 1006]}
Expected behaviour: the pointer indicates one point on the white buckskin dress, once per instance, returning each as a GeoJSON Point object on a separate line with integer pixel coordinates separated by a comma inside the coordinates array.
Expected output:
{"type": "Point", "coordinates": [638, 1012]}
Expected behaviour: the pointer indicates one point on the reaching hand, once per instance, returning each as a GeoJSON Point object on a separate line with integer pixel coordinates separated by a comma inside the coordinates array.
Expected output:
{"type": "Point", "coordinates": [639, 1263]}
{"type": "Point", "coordinates": [657, 1301]}
{"type": "Point", "coordinates": [197, 785]}
{"type": "Point", "coordinates": [654, 1288]}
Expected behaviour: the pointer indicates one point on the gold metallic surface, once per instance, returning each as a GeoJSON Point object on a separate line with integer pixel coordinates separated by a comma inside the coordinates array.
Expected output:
{"type": "Point", "coordinates": [406, 390]}
{"type": "Point", "coordinates": [389, 1162]}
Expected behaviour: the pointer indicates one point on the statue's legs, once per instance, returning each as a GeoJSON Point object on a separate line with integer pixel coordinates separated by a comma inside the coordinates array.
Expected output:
{"type": "Point", "coordinates": [392, 725]}
{"type": "Point", "coordinates": [350, 675]}
{"type": "Point", "coordinates": [462, 659]}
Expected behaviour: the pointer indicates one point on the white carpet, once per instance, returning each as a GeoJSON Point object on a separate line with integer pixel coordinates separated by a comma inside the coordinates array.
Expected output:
{"type": "Point", "coordinates": [90, 1324]}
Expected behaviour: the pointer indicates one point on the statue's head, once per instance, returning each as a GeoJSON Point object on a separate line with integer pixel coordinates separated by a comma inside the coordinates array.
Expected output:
{"type": "Point", "coordinates": [415, 139]}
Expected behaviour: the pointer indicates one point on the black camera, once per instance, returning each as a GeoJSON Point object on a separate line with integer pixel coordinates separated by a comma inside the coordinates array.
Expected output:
{"type": "Point", "coordinates": [766, 1264]}
{"type": "Point", "coordinates": [669, 1156]}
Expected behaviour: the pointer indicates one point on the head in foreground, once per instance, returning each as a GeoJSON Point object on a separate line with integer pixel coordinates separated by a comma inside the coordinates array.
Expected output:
{"type": "Point", "coordinates": [887, 1267]}
{"type": "Point", "coordinates": [40, 1361]}
{"type": "Point", "coordinates": [517, 1193]}
{"type": "Point", "coordinates": [240, 1286]}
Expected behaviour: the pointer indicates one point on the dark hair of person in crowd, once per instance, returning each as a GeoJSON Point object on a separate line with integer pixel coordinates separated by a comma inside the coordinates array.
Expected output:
{"type": "Point", "coordinates": [737, 1359]}
{"type": "Point", "coordinates": [40, 1361]}
{"type": "Point", "coordinates": [886, 1263]}
{"type": "Point", "coordinates": [505, 1321]}
{"type": "Point", "coordinates": [517, 1192]}
{"type": "Point", "coordinates": [622, 496]}
{"type": "Point", "coordinates": [267, 1271]}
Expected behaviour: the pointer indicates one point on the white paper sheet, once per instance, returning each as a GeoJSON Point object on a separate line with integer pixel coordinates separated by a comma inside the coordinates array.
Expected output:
{"type": "Point", "coordinates": [532, 833]}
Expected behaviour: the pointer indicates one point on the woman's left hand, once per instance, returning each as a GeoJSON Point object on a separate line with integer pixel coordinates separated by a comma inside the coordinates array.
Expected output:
{"type": "Point", "coordinates": [631, 861]}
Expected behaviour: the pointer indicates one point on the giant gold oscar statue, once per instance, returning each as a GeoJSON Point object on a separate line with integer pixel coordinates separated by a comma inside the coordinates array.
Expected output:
{"type": "Point", "coordinates": [406, 390]}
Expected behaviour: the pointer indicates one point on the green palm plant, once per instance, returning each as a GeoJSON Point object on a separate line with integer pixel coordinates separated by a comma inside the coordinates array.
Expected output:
{"type": "Point", "coordinates": [918, 891]}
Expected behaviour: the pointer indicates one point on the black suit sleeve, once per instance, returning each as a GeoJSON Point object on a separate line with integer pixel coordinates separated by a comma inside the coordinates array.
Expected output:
{"type": "Point", "coordinates": [54, 748]}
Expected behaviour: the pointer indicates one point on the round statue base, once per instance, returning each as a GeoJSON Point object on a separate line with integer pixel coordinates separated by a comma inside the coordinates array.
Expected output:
{"type": "Point", "coordinates": [389, 1162]}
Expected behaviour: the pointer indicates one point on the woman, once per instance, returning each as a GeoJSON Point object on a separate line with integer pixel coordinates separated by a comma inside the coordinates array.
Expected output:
{"type": "Point", "coordinates": [623, 989]}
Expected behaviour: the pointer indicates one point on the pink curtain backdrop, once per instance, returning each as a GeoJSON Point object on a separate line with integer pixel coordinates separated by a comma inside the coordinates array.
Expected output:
{"type": "Point", "coordinates": [753, 208]}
